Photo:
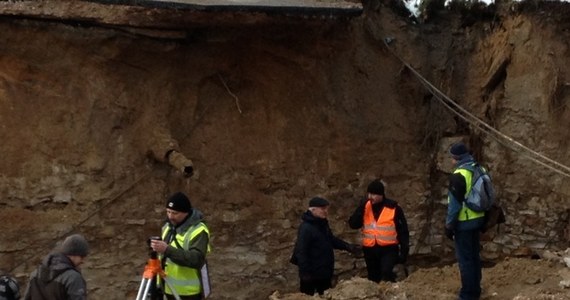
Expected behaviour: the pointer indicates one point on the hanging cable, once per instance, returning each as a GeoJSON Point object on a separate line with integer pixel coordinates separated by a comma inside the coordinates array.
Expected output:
{"type": "Point", "coordinates": [479, 124]}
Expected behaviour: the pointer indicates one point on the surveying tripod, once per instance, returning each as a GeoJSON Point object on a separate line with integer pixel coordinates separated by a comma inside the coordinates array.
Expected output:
{"type": "Point", "coordinates": [151, 270]}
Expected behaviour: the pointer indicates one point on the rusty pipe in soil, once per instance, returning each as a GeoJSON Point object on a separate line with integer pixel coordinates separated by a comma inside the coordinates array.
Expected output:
{"type": "Point", "coordinates": [180, 162]}
{"type": "Point", "coordinates": [165, 149]}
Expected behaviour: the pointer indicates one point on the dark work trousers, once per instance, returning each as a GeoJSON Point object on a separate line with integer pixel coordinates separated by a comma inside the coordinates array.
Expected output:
{"type": "Point", "coordinates": [467, 252]}
{"type": "Point", "coordinates": [380, 262]}
{"type": "Point", "coordinates": [193, 297]}
{"type": "Point", "coordinates": [309, 287]}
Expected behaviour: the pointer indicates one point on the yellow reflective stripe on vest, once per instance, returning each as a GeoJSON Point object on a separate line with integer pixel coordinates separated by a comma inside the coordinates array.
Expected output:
{"type": "Point", "coordinates": [466, 214]}
{"type": "Point", "coordinates": [184, 280]}
{"type": "Point", "coordinates": [375, 226]}
{"type": "Point", "coordinates": [381, 238]}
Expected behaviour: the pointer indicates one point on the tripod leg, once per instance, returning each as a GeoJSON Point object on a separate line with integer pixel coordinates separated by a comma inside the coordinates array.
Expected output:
{"type": "Point", "coordinates": [147, 288]}
{"type": "Point", "coordinates": [143, 289]}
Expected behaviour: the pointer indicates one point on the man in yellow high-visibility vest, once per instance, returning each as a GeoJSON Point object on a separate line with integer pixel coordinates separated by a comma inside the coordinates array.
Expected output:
{"type": "Point", "coordinates": [183, 248]}
{"type": "Point", "coordinates": [462, 224]}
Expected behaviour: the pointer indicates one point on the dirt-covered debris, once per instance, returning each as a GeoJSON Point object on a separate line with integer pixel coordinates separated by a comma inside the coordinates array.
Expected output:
{"type": "Point", "coordinates": [512, 278]}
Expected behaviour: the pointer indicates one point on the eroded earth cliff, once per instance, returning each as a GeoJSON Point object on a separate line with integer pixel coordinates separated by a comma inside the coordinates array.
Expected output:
{"type": "Point", "coordinates": [273, 111]}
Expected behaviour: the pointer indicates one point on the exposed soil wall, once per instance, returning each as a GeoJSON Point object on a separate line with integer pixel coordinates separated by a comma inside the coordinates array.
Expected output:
{"type": "Point", "coordinates": [270, 116]}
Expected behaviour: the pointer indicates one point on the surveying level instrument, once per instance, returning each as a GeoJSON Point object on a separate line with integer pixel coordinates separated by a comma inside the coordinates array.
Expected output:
{"type": "Point", "coordinates": [151, 270]}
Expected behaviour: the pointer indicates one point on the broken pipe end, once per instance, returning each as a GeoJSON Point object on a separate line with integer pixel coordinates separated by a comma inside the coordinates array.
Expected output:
{"type": "Point", "coordinates": [180, 162]}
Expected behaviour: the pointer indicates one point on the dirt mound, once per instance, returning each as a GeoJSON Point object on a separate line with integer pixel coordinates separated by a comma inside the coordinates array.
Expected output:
{"type": "Point", "coordinates": [512, 278]}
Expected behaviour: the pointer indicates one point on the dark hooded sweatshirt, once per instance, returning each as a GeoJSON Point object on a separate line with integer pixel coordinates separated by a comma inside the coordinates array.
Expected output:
{"type": "Point", "coordinates": [56, 279]}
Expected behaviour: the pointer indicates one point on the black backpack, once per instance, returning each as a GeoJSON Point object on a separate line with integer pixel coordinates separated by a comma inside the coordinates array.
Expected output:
{"type": "Point", "coordinates": [9, 288]}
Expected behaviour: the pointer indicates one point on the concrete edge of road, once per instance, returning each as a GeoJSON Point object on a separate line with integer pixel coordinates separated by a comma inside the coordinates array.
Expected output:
{"type": "Point", "coordinates": [344, 11]}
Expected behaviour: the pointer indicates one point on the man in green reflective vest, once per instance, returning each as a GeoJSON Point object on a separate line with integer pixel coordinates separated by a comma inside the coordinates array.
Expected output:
{"type": "Point", "coordinates": [462, 224]}
{"type": "Point", "coordinates": [183, 248]}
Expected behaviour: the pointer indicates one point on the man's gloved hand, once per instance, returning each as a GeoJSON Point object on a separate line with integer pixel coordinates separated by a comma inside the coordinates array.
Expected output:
{"type": "Point", "coordinates": [449, 233]}
{"type": "Point", "coordinates": [402, 259]}
{"type": "Point", "coordinates": [355, 249]}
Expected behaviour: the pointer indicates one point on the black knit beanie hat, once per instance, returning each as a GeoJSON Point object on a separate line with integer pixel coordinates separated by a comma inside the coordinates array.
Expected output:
{"type": "Point", "coordinates": [75, 245]}
{"type": "Point", "coordinates": [179, 202]}
{"type": "Point", "coordinates": [458, 151]}
{"type": "Point", "coordinates": [376, 187]}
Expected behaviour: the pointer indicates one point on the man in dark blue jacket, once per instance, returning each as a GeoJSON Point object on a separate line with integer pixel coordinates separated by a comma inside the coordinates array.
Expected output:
{"type": "Point", "coordinates": [314, 254]}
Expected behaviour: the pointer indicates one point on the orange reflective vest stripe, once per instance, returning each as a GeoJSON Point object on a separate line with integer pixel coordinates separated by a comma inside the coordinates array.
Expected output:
{"type": "Point", "coordinates": [379, 232]}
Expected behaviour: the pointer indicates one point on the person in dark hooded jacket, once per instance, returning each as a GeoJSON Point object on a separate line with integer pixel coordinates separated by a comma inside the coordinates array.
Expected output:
{"type": "Point", "coordinates": [313, 253]}
{"type": "Point", "coordinates": [58, 276]}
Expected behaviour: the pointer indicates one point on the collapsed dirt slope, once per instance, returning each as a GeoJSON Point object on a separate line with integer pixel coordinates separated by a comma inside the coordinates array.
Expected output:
{"type": "Point", "coordinates": [271, 115]}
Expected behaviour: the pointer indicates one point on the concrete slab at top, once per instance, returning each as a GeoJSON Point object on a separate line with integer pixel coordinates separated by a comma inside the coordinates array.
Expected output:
{"type": "Point", "coordinates": [270, 3]}
{"type": "Point", "coordinates": [289, 7]}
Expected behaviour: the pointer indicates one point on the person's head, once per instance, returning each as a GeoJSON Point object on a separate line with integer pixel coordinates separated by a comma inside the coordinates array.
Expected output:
{"type": "Point", "coordinates": [76, 248]}
{"type": "Point", "coordinates": [177, 208]}
{"type": "Point", "coordinates": [9, 288]}
{"type": "Point", "coordinates": [375, 191]}
{"type": "Point", "coordinates": [458, 151]}
{"type": "Point", "coordinates": [319, 207]}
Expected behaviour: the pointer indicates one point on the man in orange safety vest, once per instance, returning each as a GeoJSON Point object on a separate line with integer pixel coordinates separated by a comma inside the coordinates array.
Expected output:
{"type": "Point", "coordinates": [385, 235]}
